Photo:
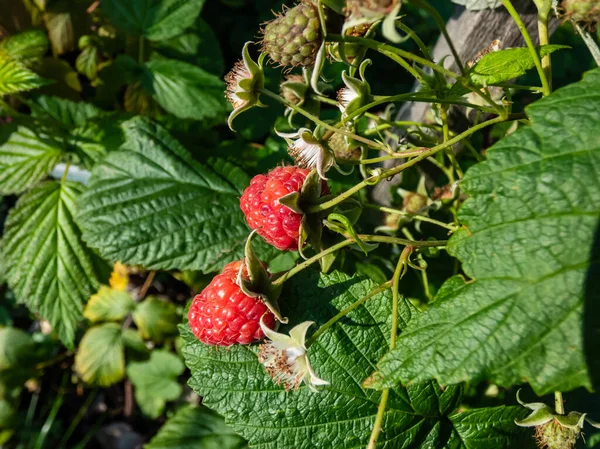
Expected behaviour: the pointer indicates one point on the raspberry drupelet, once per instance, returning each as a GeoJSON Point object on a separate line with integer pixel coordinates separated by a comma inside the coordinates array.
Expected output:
{"type": "Point", "coordinates": [276, 223]}
{"type": "Point", "coordinates": [223, 315]}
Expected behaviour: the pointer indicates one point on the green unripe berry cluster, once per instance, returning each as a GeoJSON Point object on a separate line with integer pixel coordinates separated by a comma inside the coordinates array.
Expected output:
{"type": "Point", "coordinates": [294, 38]}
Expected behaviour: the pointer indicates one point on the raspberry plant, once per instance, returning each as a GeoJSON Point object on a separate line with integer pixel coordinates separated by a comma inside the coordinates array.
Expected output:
{"type": "Point", "coordinates": [319, 271]}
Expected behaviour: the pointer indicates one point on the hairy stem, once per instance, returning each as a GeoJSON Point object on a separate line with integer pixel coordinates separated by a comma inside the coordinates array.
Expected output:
{"type": "Point", "coordinates": [365, 238]}
{"type": "Point", "coordinates": [450, 226]}
{"type": "Point", "coordinates": [543, 16]}
{"type": "Point", "coordinates": [558, 403]}
{"type": "Point", "coordinates": [394, 171]}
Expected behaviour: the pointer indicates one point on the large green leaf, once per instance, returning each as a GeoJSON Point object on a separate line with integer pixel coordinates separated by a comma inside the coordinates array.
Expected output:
{"type": "Point", "coordinates": [69, 113]}
{"type": "Point", "coordinates": [529, 230]}
{"type": "Point", "coordinates": [196, 428]}
{"type": "Point", "coordinates": [155, 381]}
{"type": "Point", "coordinates": [100, 358]}
{"type": "Point", "coordinates": [26, 158]}
{"type": "Point", "coordinates": [153, 19]}
{"type": "Point", "coordinates": [15, 77]}
{"type": "Point", "coordinates": [184, 90]}
{"type": "Point", "coordinates": [233, 382]}
{"type": "Point", "coordinates": [152, 204]}
{"type": "Point", "coordinates": [197, 46]}
{"type": "Point", "coordinates": [46, 263]}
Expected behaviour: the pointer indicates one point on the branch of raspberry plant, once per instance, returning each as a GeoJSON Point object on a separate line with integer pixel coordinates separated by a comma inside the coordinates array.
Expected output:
{"type": "Point", "coordinates": [450, 226]}
{"type": "Point", "coordinates": [350, 241]}
{"type": "Point", "coordinates": [318, 121]}
{"type": "Point", "coordinates": [394, 171]}
{"type": "Point", "coordinates": [532, 50]}
{"type": "Point", "coordinates": [398, 273]}
{"type": "Point", "coordinates": [449, 151]}
{"type": "Point", "coordinates": [544, 8]}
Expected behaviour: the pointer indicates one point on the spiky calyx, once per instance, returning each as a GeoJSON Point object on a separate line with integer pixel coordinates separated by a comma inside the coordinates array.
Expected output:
{"type": "Point", "coordinates": [294, 37]}
{"type": "Point", "coordinates": [586, 12]}
{"type": "Point", "coordinates": [554, 436]}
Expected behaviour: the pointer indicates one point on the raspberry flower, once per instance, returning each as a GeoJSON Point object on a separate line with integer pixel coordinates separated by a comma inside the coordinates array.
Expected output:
{"type": "Point", "coordinates": [357, 92]}
{"type": "Point", "coordinates": [285, 358]}
{"type": "Point", "coordinates": [308, 151]}
{"type": "Point", "coordinates": [243, 84]}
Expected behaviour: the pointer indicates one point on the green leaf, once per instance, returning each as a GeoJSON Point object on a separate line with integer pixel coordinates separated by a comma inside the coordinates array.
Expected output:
{"type": "Point", "coordinates": [15, 347]}
{"type": "Point", "coordinates": [156, 319]}
{"type": "Point", "coordinates": [196, 428]}
{"type": "Point", "coordinates": [25, 47]}
{"type": "Point", "coordinates": [503, 65]}
{"type": "Point", "coordinates": [108, 305]}
{"type": "Point", "coordinates": [69, 113]}
{"type": "Point", "coordinates": [198, 46]}
{"type": "Point", "coordinates": [87, 62]}
{"type": "Point", "coordinates": [155, 381]}
{"type": "Point", "coordinates": [233, 382]}
{"type": "Point", "coordinates": [26, 158]}
{"type": "Point", "coordinates": [153, 204]}
{"type": "Point", "coordinates": [100, 358]}
{"type": "Point", "coordinates": [184, 90]}
{"type": "Point", "coordinates": [530, 227]}
{"type": "Point", "coordinates": [15, 77]}
{"type": "Point", "coordinates": [154, 19]}
{"type": "Point", "coordinates": [47, 265]}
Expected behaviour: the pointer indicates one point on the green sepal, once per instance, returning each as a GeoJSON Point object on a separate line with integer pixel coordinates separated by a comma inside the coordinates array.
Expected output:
{"type": "Point", "coordinates": [259, 284]}
{"type": "Point", "coordinates": [292, 201]}
{"type": "Point", "coordinates": [345, 228]}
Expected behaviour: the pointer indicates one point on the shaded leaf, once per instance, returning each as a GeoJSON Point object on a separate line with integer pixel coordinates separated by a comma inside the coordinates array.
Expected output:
{"type": "Point", "coordinates": [155, 381]}
{"type": "Point", "coordinates": [196, 428]}
{"type": "Point", "coordinates": [47, 265]}
{"type": "Point", "coordinates": [100, 358]}
{"type": "Point", "coordinates": [154, 19]}
{"type": "Point", "coordinates": [26, 47]}
{"type": "Point", "coordinates": [532, 203]}
{"type": "Point", "coordinates": [184, 90]}
{"type": "Point", "coordinates": [87, 62]}
{"type": "Point", "coordinates": [69, 113]}
{"type": "Point", "coordinates": [156, 319]}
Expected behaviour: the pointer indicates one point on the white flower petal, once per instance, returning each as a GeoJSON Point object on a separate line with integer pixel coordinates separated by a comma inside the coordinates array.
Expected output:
{"type": "Point", "coordinates": [298, 333]}
{"type": "Point", "coordinates": [275, 336]}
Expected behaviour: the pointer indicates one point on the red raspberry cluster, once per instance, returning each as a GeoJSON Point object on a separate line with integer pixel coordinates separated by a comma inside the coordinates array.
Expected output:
{"type": "Point", "coordinates": [222, 314]}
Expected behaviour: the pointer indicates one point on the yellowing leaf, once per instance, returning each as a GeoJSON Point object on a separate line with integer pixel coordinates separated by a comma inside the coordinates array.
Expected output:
{"type": "Point", "coordinates": [100, 358]}
{"type": "Point", "coordinates": [119, 278]}
{"type": "Point", "coordinates": [108, 305]}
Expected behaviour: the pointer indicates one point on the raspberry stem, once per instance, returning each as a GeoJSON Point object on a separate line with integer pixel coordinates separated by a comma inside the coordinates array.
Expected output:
{"type": "Point", "coordinates": [450, 226]}
{"type": "Point", "coordinates": [350, 241]}
{"type": "Point", "coordinates": [394, 171]}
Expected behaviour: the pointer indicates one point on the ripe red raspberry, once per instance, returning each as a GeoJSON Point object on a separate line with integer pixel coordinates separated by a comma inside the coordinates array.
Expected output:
{"type": "Point", "coordinates": [223, 315]}
{"type": "Point", "coordinates": [276, 223]}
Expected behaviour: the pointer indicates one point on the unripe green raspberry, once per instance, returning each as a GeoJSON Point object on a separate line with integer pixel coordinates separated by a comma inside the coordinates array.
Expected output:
{"type": "Point", "coordinates": [414, 203]}
{"type": "Point", "coordinates": [554, 436]}
{"type": "Point", "coordinates": [584, 11]}
{"type": "Point", "coordinates": [341, 149]}
{"type": "Point", "coordinates": [294, 37]}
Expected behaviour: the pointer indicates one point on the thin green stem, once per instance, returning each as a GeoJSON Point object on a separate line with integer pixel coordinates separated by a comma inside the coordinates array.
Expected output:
{"type": "Point", "coordinates": [543, 15]}
{"type": "Point", "coordinates": [534, 54]}
{"type": "Point", "coordinates": [350, 241]}
{"type": "Point", "coordinates": [419, 99]}
{"type": "Point", "coordinates": [441, 23]}
{"type": "Point", "coordinates": [535, 89]}
{"type": "Point", "coordinates": [388, 49]}
{"type": "Point", "coordinates": [389, 210]}
{"type": "Point", "coordinates": [558, 403]}
{"type": "Point", "coordinates": [346, 311]}
{"type": "Point", "coordinates": [589, 41]}
{"type": "Point", "coordinates": [378, 419]}
{"type": "Point", "coordinates": [394, 171]}
{"type": "Point", "coordinates": [319, 122]}
{"type": "Point", "coordinates": [65, 173]}
{"type": "Point", "coordinates": [449, 151]}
